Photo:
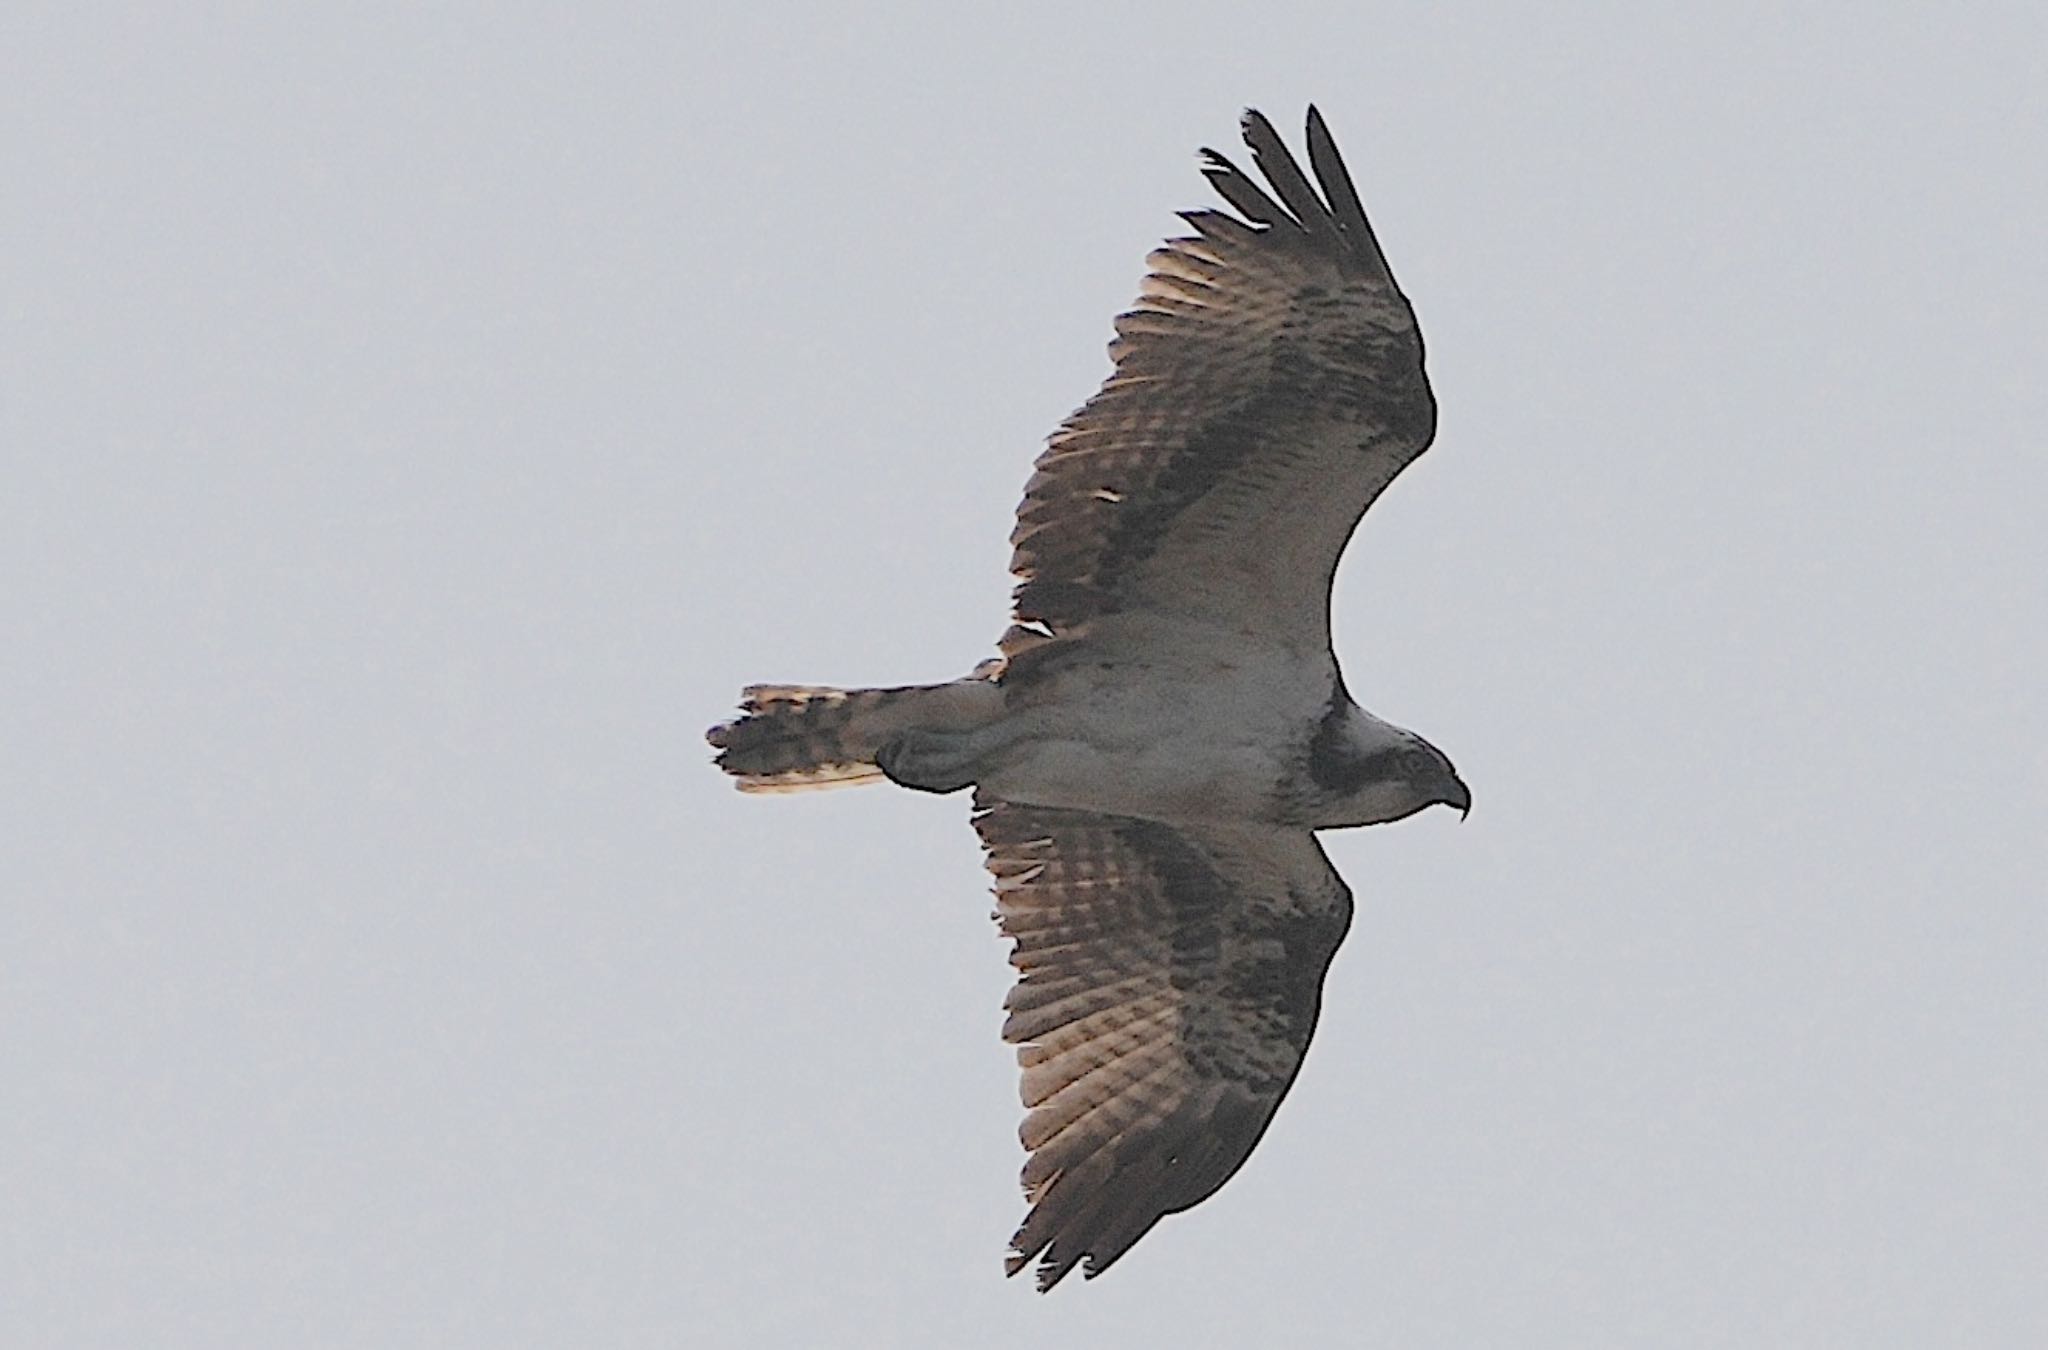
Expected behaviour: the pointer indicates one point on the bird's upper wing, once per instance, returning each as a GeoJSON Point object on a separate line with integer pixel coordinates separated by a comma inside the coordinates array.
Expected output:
{"type": "Point", "coordinates": [1170, 978]}
{"type": "Point", "coordinates": [1267, 386]}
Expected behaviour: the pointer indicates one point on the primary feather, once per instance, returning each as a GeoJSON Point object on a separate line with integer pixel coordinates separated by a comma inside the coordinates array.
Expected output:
{"type": "Point", "coordinates": [1166, 725]}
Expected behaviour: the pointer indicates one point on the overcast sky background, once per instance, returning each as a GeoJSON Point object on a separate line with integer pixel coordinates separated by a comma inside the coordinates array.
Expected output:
{"type": "Point", "coordinates": [418, 424]}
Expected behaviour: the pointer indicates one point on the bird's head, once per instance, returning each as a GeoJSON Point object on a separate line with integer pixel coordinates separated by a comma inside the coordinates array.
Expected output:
{"type": "Point", "coordinates": [1430, 778]}
{"type": "Point", "coordinates": [1368, 772]}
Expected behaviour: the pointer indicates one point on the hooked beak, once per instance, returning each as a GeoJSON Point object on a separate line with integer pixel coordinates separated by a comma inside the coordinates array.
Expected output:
{"type": "Point", "coordinates": [1459, 796]}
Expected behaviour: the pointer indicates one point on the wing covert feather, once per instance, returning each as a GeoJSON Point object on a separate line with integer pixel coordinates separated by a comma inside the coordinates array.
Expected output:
{"type": "Point", "coordinates": [1268, 385]}
{"type": "Point", "coordinates": [1169, 982]}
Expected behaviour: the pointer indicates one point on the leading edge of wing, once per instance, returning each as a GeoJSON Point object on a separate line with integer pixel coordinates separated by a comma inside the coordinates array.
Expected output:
{"type": "Point", "coordinates": [1268, 356]}
{"type": "Point", "coordinates": [1170, 978]}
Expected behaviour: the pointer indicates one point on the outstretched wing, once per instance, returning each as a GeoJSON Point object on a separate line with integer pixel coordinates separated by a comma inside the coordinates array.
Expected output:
{"type": "Point", "coordinates": [1170, 978]}
{"type": "Point", "coordinates": [1267, 386]}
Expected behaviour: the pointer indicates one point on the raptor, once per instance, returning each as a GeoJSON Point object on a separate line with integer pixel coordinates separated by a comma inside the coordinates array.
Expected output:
{"type": "Point", "coordinates": [1165, 727]}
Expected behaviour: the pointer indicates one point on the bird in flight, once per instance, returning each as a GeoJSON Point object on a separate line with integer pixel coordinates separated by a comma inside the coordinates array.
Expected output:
{"type": "Point", "coordinates": [1165, 727]}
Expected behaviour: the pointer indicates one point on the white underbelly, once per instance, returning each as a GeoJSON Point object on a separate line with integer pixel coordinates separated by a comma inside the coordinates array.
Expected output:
{"type": "Point", "coordinates": [1176, 744]}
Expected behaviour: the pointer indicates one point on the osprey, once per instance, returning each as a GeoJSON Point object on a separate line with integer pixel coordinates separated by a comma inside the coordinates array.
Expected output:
{"type": "Point", "coordinates": [1166, 727]}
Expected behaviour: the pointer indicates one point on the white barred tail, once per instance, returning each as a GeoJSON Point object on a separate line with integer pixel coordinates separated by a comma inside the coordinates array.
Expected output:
{"type": "Point", "coordinates": [795, 737]}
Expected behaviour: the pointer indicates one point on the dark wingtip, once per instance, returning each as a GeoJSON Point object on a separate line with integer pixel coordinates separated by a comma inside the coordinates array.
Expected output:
{"type": "Point", "coordinates": [1048, 1272]}
{"type": "Point", "coordinates": [1318, 132]}
{"type": "Point", "coordinates": [1342, 194]}
{"type": "Point", "coordinates": [1043, 1278]}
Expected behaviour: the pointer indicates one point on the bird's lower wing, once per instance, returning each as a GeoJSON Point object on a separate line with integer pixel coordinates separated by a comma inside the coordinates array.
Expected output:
{"type": "Point", "coordinates": [1169, 981]}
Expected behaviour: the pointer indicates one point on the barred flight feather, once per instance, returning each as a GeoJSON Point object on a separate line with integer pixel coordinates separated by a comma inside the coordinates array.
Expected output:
{"type": "Point", "coordinates": [1199, 983]}
{"type": "Point", "coordinates": [1166, 723]}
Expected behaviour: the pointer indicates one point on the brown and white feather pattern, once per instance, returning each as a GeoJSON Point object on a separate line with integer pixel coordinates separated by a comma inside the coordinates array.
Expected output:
{"type": "Point", "coordinates": [1169, 665]}
{"type": "Point", "coordinates": [1268, 385]}
{"type": "Point", "coordinates": [795, 737]}
{"type": "Point", "coordinates": [1169, 981]}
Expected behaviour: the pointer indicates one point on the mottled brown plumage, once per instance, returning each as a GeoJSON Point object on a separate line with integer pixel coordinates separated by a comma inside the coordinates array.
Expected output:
{"type": "Point", "coordinates": [1168, 983]}
{"type": "Point", "coordinates": [1267, 387]}
{"type": "Point", "coordinates": [1166, 724]}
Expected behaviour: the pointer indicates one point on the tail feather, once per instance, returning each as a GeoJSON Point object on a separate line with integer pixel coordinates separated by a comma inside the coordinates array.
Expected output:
{"type": "Point", "coordinates": [794, 737]}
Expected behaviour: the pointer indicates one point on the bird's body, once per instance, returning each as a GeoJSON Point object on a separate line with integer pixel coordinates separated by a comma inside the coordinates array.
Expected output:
{"type": "Point", "coordinates": [1157, 725]}
{"type": "Point", "coordinates": [1166, 724]}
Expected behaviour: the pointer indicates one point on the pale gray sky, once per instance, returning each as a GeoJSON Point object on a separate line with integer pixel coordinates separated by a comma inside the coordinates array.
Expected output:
{"type": "Point", "coordinates": [418, 424]}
